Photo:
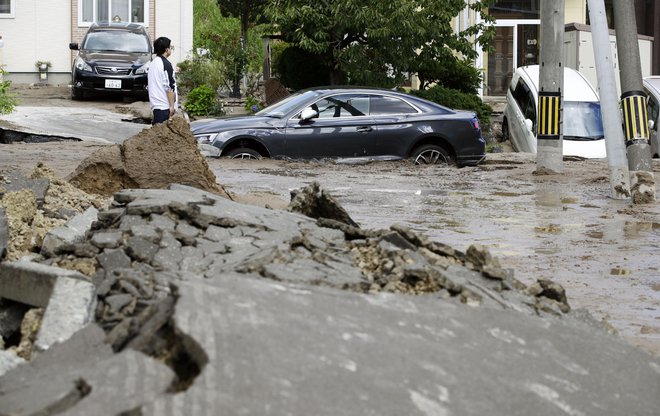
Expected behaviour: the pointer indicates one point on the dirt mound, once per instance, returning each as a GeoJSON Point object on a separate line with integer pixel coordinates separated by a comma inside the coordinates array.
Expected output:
{"type": "Point", "coordinates": [154, 158]}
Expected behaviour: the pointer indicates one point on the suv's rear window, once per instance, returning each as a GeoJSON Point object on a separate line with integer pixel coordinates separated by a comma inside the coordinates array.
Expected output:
{"type": "Point", "coordinates": [117, 41]}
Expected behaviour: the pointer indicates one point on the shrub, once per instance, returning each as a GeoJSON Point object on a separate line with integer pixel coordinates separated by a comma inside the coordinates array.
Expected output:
{"type": "Point", "coordinates": [450, 73]}
{"type": "Point", "coordinates": [252, 104]}
{"type": "Point", "coordinates": [458, 100]}
{"type": "Point", "coordinates": [199, 71]}
{"type": "Point", "coordinates": [203, 101]}
{"type": "Point", "coordinates": [7, 100]}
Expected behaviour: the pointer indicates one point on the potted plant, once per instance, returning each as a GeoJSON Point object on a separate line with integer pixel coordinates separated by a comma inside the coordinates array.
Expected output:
{"type": "Point", "coordinates": [42, 67]}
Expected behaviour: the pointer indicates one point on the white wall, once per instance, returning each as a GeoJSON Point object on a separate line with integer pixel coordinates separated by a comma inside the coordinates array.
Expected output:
{"type": "Point", "coordinates": [174, 19]}
{"type": "Point", "coordinates": [39, 31]}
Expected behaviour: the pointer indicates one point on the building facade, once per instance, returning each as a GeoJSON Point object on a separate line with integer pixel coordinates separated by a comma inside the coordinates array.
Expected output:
{"type": "Point", "coordinates": [33, 31]}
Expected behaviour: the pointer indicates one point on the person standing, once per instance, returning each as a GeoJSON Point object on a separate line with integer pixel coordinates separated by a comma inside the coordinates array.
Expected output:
{"type": "Point", "coordinates": [163, 95]}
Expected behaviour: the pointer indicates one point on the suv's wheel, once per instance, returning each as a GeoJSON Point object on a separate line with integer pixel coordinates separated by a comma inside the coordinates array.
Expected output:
{"type": "Point", "coordinates": [430, 154]}
{"type": "Point", "coordinates": [77, 94]}
{"type": "Point", "coordinates": [243, 153]}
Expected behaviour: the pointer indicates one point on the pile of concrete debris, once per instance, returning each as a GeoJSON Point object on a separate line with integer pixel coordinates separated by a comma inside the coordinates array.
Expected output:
{"type": "Point", "coordinates": [179, 300]}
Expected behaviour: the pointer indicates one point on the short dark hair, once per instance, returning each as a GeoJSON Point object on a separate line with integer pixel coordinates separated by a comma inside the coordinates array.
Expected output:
{"type": "Point", "coordinates": [161, 44]}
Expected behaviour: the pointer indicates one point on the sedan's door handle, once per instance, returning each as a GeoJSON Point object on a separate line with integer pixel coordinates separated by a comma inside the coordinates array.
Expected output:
{"type": "Point", "coordinates": [364, 129]}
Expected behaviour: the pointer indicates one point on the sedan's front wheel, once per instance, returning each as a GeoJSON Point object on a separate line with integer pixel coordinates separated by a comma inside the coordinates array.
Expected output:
{"type": "Point", "coordinates": [243, 153]}
{"type": "Point", "coordinates": [431, 154]}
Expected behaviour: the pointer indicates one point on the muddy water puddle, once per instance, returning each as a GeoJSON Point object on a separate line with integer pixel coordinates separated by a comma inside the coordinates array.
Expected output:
{"type": "Point", "coordinates": [564, 228]}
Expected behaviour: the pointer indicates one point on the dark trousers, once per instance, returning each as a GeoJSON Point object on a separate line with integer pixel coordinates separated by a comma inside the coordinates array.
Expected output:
{"type": "Point", "coordinates": [160, 116]}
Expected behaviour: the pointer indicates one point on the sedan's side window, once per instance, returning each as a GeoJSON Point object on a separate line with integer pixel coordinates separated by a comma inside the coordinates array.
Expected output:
{"type": "Point", "coordinates": [342, 106]}
{"type": "Point", "coordinates": [381, 105]}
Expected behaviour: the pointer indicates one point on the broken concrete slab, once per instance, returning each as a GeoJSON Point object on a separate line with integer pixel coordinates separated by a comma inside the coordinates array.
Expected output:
{"type": "Point", "coordinates": [83, 377]}
{"type": "Point", "coordinates": [8, 361]}
{"type": "Point", "coordinates": [278, 348]}
{"type": "Point", "coordinates": [32, 283]}
{"type": "Point", "coordinates": [292, 247]}
{"type": "Point", "coordinates": [72, 232]}
{"type": "Point", "coordinates": [68, 297]}
{"type": "Point", "coordinates": [71, 306]}
{"type": "Point", "coordinates": [315, 202]}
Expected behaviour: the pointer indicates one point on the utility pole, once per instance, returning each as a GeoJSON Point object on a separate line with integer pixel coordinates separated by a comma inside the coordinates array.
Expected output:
{"type": "Point", "coordinates": [633, 103]}
{"type": "Point", "coordinates": [609, 102]}
{"type": "Point", "coordinates": [549, 149]}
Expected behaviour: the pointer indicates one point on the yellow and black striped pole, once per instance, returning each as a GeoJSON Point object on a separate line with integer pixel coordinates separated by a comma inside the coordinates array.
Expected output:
{"type": "Point", "coordinates": [549, 115]}
{"type": "Point", "coordinates": [635, 117]}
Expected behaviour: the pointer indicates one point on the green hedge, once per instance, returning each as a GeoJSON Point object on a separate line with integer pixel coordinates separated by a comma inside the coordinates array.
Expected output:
{"type": "Point", "coordinates": [457, 100]}
{"type": "Point", "coordinates": [7, 100]}
{"type": "Point", "coordinates": [203, 101]}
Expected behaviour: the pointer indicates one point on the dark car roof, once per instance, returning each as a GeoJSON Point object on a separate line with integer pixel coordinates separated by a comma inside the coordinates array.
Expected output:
{"type": "Point", "coordinates": [125, 26]}
{"type": "Point", "coordinates": [419, 101]}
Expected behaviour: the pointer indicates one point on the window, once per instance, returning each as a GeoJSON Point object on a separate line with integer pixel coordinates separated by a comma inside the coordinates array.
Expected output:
{"type": "Point", "coordinates": [117, 41]}
{"type": "Point", "coordinates": [582, 120]}
{"type": "Point", "coordinates": [381, 105]}
{"type": "Point", "coordinates": [525, 99]}
{"type": "Point", "coordinates": [6, 8]}
{"type": "Point", "coordinates": [515, 9]}
{"type": "Point", "coordinates": [133, 11]}
{"type": "Point", "coordinates": [342, 106]}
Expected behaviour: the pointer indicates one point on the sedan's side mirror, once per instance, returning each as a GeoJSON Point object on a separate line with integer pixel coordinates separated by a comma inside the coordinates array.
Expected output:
{"type": "Point", "coordinates": [73, 46]}
{"type": "Point", "coordinates": [529, 124]}
{"type": "Point", "coordinates": [308, 114]}
{"type": "Point", "coordinates": [651, 125]}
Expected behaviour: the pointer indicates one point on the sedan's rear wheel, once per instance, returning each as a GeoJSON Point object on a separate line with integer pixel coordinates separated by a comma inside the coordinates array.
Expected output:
{"type": "Point", "coordinates": [243, 153]}
{"type": "Point", "coordinates": [430, 154]}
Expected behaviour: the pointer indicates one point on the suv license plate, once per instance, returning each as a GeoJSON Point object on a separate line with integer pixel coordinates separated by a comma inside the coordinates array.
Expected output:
{"type": "Point", "coordinates": [113, 83]}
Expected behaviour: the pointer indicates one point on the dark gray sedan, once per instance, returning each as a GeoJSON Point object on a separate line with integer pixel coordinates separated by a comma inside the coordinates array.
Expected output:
{"type": "Point", "coordinates": [336, 122]}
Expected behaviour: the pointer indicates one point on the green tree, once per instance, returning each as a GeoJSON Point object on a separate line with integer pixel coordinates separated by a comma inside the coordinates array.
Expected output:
{"type": "Point", "coordinates": [375, 42]}
{"type": "Point", "coordinates": [247, 12]}
{"type": "Point", "coordinates": [221, 36]}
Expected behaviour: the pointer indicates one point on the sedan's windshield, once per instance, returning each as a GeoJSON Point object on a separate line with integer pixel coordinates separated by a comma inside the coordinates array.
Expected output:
{"type": "Point", "coordinates": [582, 121]}
{"type": "Point", "coordinates": [116, 41]}
{"type": "Point", "coordinates": [290, 103]}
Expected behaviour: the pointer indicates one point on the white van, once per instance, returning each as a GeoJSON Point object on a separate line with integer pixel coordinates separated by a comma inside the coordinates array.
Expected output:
{"type": "Point", "coordinates": [582, 123]}
{"type": "Point", "coordinates": [652, 88]}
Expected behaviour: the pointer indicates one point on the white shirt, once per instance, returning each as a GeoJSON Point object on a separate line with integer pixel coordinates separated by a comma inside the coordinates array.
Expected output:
{"type": "Point", "coordinates": [160, 80]}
